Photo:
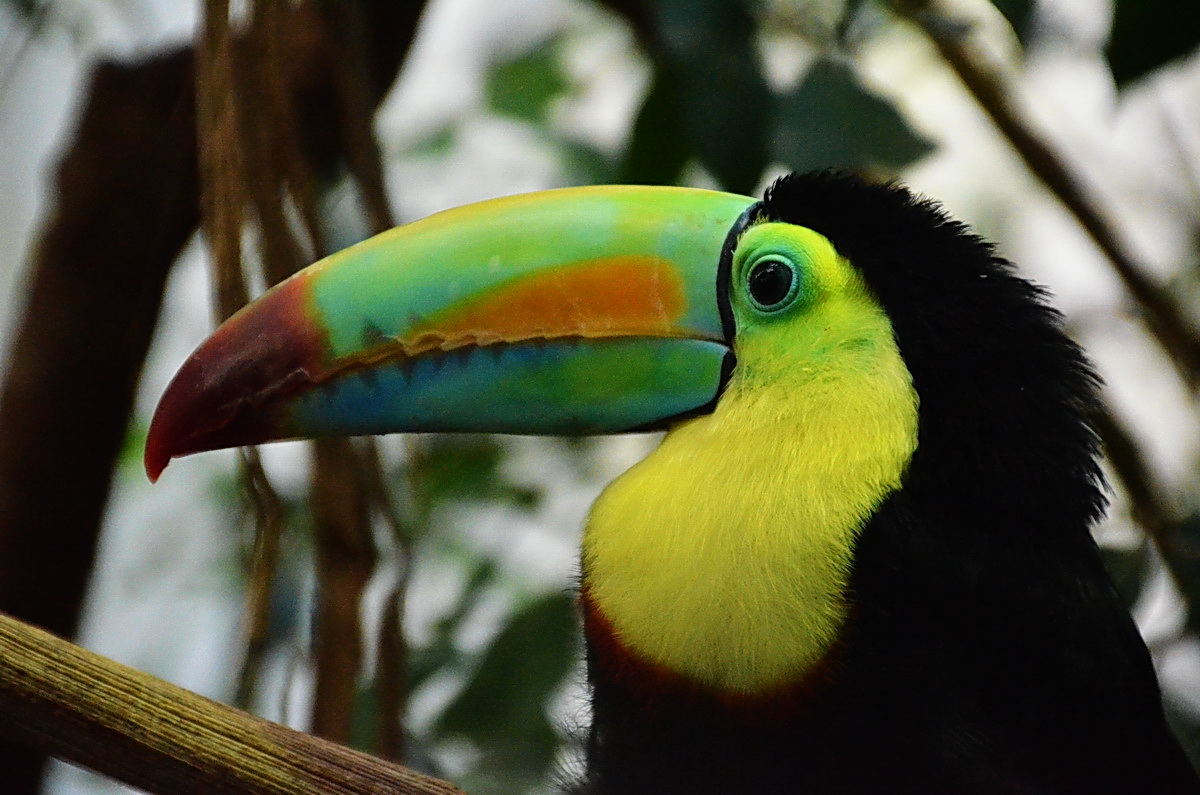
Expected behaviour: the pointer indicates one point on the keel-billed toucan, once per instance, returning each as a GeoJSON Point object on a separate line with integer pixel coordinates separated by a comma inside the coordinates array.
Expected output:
{"type": "Point", "coordinates": [860, 559]}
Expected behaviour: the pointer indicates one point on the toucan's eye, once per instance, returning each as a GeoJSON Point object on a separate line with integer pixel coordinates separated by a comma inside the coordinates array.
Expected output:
{"type": "Point", "coordinates": [772, 283]}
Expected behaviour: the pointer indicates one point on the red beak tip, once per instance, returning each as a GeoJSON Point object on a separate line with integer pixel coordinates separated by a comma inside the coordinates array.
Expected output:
{"type": "Point", "coordinates": [155, 459]}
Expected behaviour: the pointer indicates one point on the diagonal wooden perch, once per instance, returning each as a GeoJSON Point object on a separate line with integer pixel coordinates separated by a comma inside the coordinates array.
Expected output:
{"type": "Point", "coordinates": [91, 711]}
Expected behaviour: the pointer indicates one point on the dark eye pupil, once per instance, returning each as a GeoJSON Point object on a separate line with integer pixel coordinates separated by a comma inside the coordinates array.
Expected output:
{"type": "Point", "coordinates": [770, 282]}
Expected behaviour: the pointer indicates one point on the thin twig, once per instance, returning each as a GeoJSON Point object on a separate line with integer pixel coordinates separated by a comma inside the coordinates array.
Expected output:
{"type": "Point", "coordinates": [391, 665]}
{"type": "Point", "coordinates": [353, 80]}
{"type": "Point", "coordinates": [1150, 508]}
{"type": "Point", "coordinates": [346, 558]}
{"type": "Point", "coordinates": [220, 158]}
{"type": "Point", "coordinates": [126, 724]}
{"type": "Point", "coordinates": [269, 525]}
{"type": "Point", "coordinates": [282, 254]}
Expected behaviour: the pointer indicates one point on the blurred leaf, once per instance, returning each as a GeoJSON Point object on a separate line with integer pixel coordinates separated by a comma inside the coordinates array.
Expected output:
{"type": "Point", "coordinates": [831, 120]}
{"type": "Point", "coordinates": [850, 12]}
{"type": "Point", "coordinates": [24, 8]}
{"type": "Point", "coordinates": [364, 724]}
{"type": "Point", "coordinates": [1128, 569]}
{"type": "Point", "coordinates": [503, 706]}
{"type": "Point", "coordinates": [1019, 14]}
{"type": "Point", "coordinates": [585, 164]}
{"type": "Point", "coordinates": [1181, 717]}
{"type": "Point", "coordinates": [1182, 548]}
{"type": "Point", "coordinates": [708, 99]}
{"type": "Point", "coordinates": [438, 144]}
{"type": "Point", "coordinates": [441, 653]}
{"type": "Point", "coordinates": [133, 446]}
{"type": "Point", "coordinates": [710, 55]}
{"type": "Point", "coordinates": [525, 87]}
{"type": "Point", "coordinates": [1147, 35]}
{"type": "Point", "coordinates": [460, 467]}
{"type": "Point", "coordinates": [658, 147]}
{"type": "Point", "coordinates": [468, 467]}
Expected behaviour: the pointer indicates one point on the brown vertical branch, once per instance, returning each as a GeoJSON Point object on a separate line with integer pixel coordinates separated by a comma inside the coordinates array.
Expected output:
{"type": "Point", "coordinates": [345, 552]}
{"type": "Point", "coordinates": [125, 206]}
{"type": "Point", "coordinates": [391, 664]}
{"type": "Point", "coordinates": [1162, 317]}
{"type": "Point", "coordinates": [354, 93]}
{"type": "Point", "coordinates": [264, 560]}
{"type": "Point", "coordinates": [220, 157]}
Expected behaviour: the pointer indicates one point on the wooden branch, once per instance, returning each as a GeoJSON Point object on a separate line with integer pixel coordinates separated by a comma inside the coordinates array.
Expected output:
{"type": "Point", "coordinates": [91, 711]}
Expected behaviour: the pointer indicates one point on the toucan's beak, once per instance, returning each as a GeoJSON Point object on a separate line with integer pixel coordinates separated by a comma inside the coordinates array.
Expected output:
{"type": "Point", "coordinates": [576, 311]}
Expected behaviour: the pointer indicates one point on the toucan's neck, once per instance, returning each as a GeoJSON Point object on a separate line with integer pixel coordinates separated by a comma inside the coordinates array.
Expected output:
{"type": "Point", "coordinates": [724, 556]}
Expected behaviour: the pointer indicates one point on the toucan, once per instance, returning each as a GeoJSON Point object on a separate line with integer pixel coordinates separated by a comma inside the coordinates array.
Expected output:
{"type": "Point", "coordinates": [860, 558]}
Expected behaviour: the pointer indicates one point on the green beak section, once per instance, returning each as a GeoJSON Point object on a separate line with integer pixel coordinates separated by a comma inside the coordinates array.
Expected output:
{"type": "Point", "coordinates": [576, 311]}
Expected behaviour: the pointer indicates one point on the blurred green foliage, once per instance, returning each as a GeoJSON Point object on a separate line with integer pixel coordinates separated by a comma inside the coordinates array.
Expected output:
{"type": "Point", "coordinates": [708, 65]}
{"type": "Point", "coordinates": [503, 708]}
{"type": "Point", "coordinates": [526, 86]}
{"type": "Point", "coordinates": [830, 119]}
{"type": "Point", "coordinates": [467, 468]}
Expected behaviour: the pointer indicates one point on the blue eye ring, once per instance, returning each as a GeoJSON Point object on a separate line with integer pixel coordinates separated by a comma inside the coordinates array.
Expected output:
{"type": "Point", "coordinates": [772, 283]}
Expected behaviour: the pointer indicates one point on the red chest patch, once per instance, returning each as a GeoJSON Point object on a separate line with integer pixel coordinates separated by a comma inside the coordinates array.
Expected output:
{"type": "Point", "coordinates": [655, 690]}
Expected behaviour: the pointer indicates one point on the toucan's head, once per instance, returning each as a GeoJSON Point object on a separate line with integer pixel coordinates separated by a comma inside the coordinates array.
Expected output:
{"type": "Point", "coordinates": [577, 311]}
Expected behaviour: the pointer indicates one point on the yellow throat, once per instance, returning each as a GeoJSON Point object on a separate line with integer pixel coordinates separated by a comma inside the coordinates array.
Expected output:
{"type": "Point", "coordinates": [724, 556]}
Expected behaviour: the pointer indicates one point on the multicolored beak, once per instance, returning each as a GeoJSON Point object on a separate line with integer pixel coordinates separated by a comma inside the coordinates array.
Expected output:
{"type": "Point", "coordinates": [575, 311]}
